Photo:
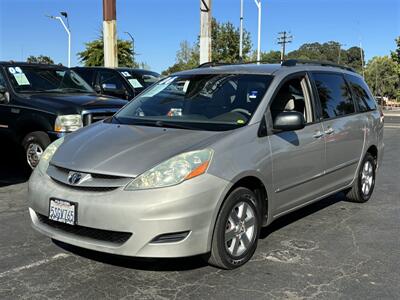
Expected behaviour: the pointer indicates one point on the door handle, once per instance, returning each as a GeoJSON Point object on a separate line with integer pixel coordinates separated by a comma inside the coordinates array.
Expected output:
{"type": "Point", "coordinates": [329, 131]}
{"type": "Point", "coordinates": [318, 134]}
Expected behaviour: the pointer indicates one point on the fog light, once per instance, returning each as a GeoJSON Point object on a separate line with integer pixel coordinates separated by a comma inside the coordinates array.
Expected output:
{"type": "Point", "coordinates": [170, 237]}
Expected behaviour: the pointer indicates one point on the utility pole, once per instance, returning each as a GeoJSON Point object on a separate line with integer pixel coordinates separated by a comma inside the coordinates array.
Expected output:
{"type": "Point", "coordinates": [205, 31]}
{"type": "Point", "coordinates": [340, 52]}
{"type": "Point", "coordinates": [241, 32]}
{"type": "Point", "coordinates": [283, 39]}
{"type": "Point", "coordinates": [110, 33]}
{"type": "Point", "coordinates": [258, 3]}
{"type": "Point", "coordinates": [362, 59]}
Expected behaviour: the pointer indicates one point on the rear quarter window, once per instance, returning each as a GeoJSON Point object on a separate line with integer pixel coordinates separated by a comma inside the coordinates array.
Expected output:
{"type": "Point", "coordinates": [334, 95]}
{"type": "Point", "coordinates": [363, 97]}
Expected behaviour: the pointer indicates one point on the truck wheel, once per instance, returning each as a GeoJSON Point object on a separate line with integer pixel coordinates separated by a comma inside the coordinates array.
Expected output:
{"type": "Point", "coordinates": [34, 144]}
{"type": "Point", "coordinates": [364, 184]}
{"type": "Point", "coordinates": [236, 230]}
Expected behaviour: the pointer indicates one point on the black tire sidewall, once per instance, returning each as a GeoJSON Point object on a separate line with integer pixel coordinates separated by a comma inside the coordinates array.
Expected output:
{"type": "Point", "coordinates": [238, 195]}
{"type": "Point", "coordinates": [371, 159]}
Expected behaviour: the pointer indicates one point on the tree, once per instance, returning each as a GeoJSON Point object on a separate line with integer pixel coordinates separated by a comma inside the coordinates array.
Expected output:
{"type": "Point", "coordinates": [382, 77]}
{"type": "Point", "coordinates": [94, 53]}
{"type": "Point", "coordinates": [41, 59]}
{"type": "Point", "coordinates": [270, 57]}
{"type": "Point", "coordinates": [224, 47]}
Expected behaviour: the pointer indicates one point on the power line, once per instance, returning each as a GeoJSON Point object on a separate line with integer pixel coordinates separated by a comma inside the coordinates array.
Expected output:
{"type": "Point", "coordinates": [283, 39]}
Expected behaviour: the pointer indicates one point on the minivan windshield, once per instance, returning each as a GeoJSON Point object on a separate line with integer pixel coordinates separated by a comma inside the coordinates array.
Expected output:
{"type": "Point", "coordinates": [202, 102]}
{"type": "Point", "coordinates": [34, 79]}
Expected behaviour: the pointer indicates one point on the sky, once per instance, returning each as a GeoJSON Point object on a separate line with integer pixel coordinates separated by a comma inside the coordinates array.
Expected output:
{"type": "Point", "coordinates": [159, 26]}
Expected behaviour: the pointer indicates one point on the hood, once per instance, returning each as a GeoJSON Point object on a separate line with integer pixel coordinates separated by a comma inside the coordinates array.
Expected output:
{"type": "Point", "coordinates": [127, 150]}
{"type": "Point", "coordinates": [73, 103]}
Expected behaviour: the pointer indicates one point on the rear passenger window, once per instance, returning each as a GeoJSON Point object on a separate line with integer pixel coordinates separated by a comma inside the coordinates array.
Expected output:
{"type": "Point", "coordinates": [363, 96]}
{"type": "Point", "coordinates": [334, 95]}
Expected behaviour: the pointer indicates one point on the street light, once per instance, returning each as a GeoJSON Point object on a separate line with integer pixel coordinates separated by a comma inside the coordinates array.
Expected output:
{"type": "Point", "coordinates": [133, 44]}
{"type": "Point", "coordinates": [65, 15]}
{"type": "Point", "coordinates": [258, 3]}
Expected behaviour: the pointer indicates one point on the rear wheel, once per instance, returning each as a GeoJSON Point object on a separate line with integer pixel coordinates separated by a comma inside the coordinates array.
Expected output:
{"type": "Point", "coordinates": [34, 144]}
{"type": "Point", "coordinates": [236, 230]}
{"type": "Point", "coordinates": [364, 184]}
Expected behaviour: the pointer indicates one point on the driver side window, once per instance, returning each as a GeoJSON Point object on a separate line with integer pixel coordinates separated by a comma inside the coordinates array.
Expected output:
{"type": "Point", "coordinates": [293, 95]}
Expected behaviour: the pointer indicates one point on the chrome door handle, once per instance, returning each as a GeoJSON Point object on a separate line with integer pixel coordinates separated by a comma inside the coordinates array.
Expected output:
{"type": "Point", "coordinates": [329, 131]}
{"type": "Point", "coordinates": [318, 134]}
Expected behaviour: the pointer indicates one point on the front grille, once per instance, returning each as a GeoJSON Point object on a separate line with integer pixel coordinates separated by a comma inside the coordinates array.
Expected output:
{"type": "Point", "coordinates": [86, 188]}
{"type": "Point", "coordinates": [89, 117]}
{"type": "Point", "coordinates": [114, 237]}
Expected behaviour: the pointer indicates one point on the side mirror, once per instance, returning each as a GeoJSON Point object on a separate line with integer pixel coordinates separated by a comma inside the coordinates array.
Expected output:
{"type": "Point", "coordinates": [4, 95]}
{"type": "Point", "coordinates": [289, 121]}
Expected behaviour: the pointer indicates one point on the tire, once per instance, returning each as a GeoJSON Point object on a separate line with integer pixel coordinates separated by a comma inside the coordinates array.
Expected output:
{"type": "Point", "coordinates": [235, 234]}
{"type": "Point", "coordinates": [34, 144]}
{"type": "Point", "coordinates": [364, 184]}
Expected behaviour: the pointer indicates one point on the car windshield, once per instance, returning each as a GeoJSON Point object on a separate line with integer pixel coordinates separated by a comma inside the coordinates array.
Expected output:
{"type": "Point", "coordinates": [33, 79]}
{"type": "Point", "coordinates": [140, 80]}
{"type": "Point", "coordinates": [201, 102]}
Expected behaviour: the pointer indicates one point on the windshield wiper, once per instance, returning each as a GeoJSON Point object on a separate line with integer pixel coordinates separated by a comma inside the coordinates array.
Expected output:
{"type": "Point", "coordinates": [72, 90]}
{"type": "Point", "coordinates": [158, 123]}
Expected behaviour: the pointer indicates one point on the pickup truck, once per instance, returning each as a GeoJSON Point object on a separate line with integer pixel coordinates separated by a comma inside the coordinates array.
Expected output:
{"type": "Point", "coordinates": [40, 103]}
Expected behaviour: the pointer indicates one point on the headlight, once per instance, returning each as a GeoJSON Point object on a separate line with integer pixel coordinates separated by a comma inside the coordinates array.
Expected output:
{"type": "Point", "coordinates": [173, 171]}
{"type": "Point", "coordinates": [68, 123]}
{"type": "Point", "coordinates": [48, 154]}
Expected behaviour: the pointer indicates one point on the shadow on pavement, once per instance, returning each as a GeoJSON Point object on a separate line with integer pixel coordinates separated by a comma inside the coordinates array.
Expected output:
{"type": "Point", "coordinates": [12, 165]}
{"type": "Point", "coordinates": [194, 262]}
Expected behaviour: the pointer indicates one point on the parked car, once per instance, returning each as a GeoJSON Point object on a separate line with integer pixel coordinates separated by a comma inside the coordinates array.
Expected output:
{"type": "Point", "coordinates": [200, 161]}
{"type": "Point", "coordinates": [124, 83]}
{"type": "Point", "coordinates": [40, 103]}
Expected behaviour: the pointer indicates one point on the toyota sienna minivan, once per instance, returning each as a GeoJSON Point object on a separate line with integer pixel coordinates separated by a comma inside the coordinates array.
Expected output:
{"type": "Point", "coordinates": [203, 159]}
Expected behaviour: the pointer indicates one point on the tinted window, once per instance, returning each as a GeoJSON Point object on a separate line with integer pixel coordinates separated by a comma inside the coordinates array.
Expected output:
{"type": "Point", "coordinates": [334, 95]}
{"type": "Point", "coordinates": [113, 78]}
{"type": "Point", "coordinates": [86, 74]}
{"type": "Point", "coordinates": [363, 96]}
{"type": "Point", "coordinates": [2, 81]}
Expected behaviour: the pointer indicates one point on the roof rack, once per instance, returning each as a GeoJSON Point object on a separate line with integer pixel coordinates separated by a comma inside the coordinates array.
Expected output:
{"type": "Point", "coordinates": [294, 62]}
{"type": "Point", "coordinates": [213, 64]}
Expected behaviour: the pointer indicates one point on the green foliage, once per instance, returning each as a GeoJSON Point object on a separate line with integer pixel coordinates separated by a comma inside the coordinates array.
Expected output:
{"type": "Point", "coordinates": [224, 45]}
{"type": "Point", "coordinates": [41, 59]}
{"type": "Point", "coordinates": [270, 57]}
{"type": "Point", "coordinates": [93, 55]}
{"type": "Point", "coordinates": [381, 76]}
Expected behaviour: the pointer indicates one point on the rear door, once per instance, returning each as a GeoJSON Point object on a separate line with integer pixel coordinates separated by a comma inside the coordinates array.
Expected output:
{"type": "Point", "coordinates": [298, 156]}
{"type": "Point", "coordinates": [344, 128]}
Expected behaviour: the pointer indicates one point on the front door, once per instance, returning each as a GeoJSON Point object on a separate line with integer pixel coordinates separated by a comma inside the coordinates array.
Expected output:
{"type": "Point", "coordinates": [5, 109]}
{"type": "Point", "coordinates": [298, 156]}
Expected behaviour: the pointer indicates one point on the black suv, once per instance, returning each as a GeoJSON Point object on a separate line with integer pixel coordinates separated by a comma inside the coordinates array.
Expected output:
{"type": "Point", "coordinates": [123, 83]}
{"type": "Point", "coordinates": [40, 103]}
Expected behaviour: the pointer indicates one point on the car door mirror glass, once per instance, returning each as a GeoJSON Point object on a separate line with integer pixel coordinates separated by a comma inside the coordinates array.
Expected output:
{"type": "Point", "coordinates": [289, 121]}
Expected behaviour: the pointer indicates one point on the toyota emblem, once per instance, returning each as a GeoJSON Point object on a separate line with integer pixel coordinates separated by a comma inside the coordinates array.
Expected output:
{"type": "Point", "coordinates": [74, 178]}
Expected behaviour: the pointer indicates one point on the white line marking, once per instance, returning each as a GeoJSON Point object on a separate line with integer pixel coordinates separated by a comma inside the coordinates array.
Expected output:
{"type": "Point", "coordinates": [35, 264]}
{"type": "Point", "coordinates": [392, 126]}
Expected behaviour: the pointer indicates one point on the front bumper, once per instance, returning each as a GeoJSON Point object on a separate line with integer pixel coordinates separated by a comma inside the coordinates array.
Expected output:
{"type": "Point", "coordinates": [190, 206]}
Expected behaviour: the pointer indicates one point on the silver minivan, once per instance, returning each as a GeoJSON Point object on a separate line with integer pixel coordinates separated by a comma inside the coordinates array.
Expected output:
{"type": "Point", "coordinates": [203, 159]}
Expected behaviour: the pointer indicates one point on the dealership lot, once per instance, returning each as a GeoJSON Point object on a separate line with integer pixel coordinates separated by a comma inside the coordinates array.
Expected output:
{"type": "Point", "coordinates": [332, 249]}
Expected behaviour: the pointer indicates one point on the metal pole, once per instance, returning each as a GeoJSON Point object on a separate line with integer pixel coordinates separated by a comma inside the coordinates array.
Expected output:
{"type": "Point", "coordinates": [362, 59]}
{"type": "Point", "coordinates": [205, 31]}
{"type": "Point", "coordinates": [110, 33]}
{"type": "Point", "coordinates": [69, 37]}
{"type": "Point", "coordinates": [133, 44]}
{"type": "Point", "coordinates": [241, 31]}
{"type": "Point", "coordinates": [258, 3]}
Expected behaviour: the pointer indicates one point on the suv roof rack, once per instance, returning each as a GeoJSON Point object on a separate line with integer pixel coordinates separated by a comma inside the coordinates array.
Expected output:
{"type": "Point", "coordinates": [212, 64]}
{"type": "Point", "coordinates": [294, 62]}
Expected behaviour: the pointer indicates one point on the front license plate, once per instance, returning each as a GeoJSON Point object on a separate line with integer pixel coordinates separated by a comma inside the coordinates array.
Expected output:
{"type": "Point", "coordinates": [62, 211]}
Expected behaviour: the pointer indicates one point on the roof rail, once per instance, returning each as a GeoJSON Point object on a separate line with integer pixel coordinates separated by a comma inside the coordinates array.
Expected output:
{"type": "Point", "coordinates": [294, 62]}
{"type": "Point", "coordinates": [213, 64]}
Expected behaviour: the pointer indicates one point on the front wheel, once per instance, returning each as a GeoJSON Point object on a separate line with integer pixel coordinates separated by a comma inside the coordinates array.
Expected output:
{"type": "Point", "coordinates": [236, 230]}
{"type": "Point", "coordinates": [364, 184]}
{"type": "Point", "coordinates": [34, 144]}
